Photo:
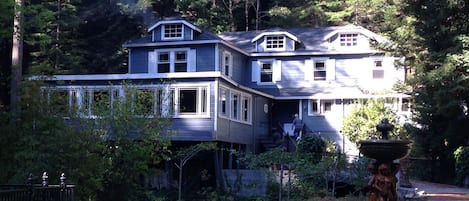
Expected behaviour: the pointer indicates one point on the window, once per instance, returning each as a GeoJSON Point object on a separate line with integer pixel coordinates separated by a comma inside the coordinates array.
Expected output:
{"type": "Point", "coordinates": [190, 101]}
{"type": "Point", "coordinates": [227, 64]}
{"type": "Point", "coordinates": [266, 71]}
{"type": "Point", "coordinates": [172, 31]}
{"type": "Point", "coordinates": [144, 103]}
{"type": "Point", "coordinates": [313, 107]}
{"type": "Point", "coordinates": [317, 106]}
{"type": "Point", "coordinates": [320, 70]}
{"type": "Point", "coordinates": [187, 101]}
{"type": "Point", "coordinates": [378, 71]}
{"type": "Point", "coordinates": [235, 105]}
{"type": "Point", "coordinates": [405, 105]}
{"type": "Point", "coordinates": [224, 99]}
{"type": "Point", "coordinates": [275, 42]}
{"type": "Point", "coordinates": [163, 62]}
{"type": "Point", "coordinates": [169, 61]}
{"type": "Point", "coordinates": [180, 64]}
{"type": "Point", "coordinates": [246, 108]}
{"type": "Point", "coordinates": [59, 102]}
{"type": "Point", "coordinates": [348, 40]}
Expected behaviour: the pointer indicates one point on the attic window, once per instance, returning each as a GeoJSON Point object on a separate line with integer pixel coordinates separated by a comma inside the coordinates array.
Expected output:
{"type": "Point", "coordinates": [348, 40]}
{"type": "Point", "coordinates": [172, 31]}
{"type": "Point", "coordinates": [275, 42]}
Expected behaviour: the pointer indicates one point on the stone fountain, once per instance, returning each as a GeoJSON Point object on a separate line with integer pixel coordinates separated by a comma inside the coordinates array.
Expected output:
{"type": "Point", "coordinates": [382, 185]}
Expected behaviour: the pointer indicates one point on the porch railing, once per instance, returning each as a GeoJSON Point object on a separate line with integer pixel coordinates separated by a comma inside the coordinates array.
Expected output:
{"type": "Point", "coordinates": [38, 192]}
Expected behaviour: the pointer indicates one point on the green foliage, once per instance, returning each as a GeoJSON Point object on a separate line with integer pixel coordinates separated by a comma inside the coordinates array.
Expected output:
{"type": "Point", "coordinates": [462, 164]}
{"type": "Point", "coordinates": [98, 155]}
{"type": "Point", "coordinates": [312, 147]}
{"type": "Point", "coordinates": [361, 123]}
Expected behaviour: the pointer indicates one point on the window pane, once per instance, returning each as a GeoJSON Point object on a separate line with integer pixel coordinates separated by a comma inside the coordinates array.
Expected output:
{"type": "Point", "coordinates": [187, 101]}
{"type": "Point", "coordinates": [274, 42]}
{"type": "Point", "coordinates": [144, 102]}
{"type": "Point", "coordinates": [101, 102]}
{"type": "Point", "coordinates": [180, 67]}
{"type": "Point", "coordinates": [223, 102]}
{"type": "Point", "coordinates": [173, 30]}
{"type": "Point", "coordinates": [226, 65]}
{"type": "Point", "coordinates": [163, 68]}
{"type": "Point", "coordinates": [181, 56]}
{"type": "Point", "coordinates": [203, 100]}
{"type": "Point", "coordinates": [163, 57]}
{"type": "Point", "coordinates": [320, 75]}
{"type": "Point", "coordinates": [246, 106]}
{"type": "Point", "coordinates": [266, 72]}
{"type": "Point", "coordinates": [348, 40]}
{"type": "Point", "coordinates": [234, 106]}
{"type": "Point", "coordinates": [163, 62]}
{"type": "Point", "coordinates": [59, 101]}
{"type": "Point", "coordinates": [314, 106]}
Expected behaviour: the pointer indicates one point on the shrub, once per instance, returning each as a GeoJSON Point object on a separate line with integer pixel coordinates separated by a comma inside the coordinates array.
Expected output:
{"type": "Point", "coordinates": [462, 164]}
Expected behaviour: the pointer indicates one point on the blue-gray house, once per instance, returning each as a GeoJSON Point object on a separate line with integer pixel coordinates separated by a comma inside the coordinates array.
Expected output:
{"type": "Point", "coordinates": [238, 88]}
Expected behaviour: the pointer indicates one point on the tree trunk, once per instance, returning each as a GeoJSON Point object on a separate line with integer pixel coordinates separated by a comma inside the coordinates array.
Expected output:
{"type": "Point", "coordinates": [16, 59]}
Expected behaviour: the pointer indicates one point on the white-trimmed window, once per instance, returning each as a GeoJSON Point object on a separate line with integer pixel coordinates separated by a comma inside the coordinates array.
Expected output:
{"type": "Point", "coordinates": [246, 108]}
{"type": "Point", "coordinates": [235, 99]}
{"type": "Point", "coordinates": [171, 60]}
{"type": "Point", "coordinates": [235, 105]}
{"type": "Point", "coordinates": [378, 71]}
{"type": "Point", "coordinates": [317, 106]}
{"type": "Point", "coordinates": [144, 102]}
{"type": "Point", "coordinates": [224, 100]}
{"type": "Point", "coordinates": [275, 42]}
{"type": "Point", "coordinates": [59, 101]}
{"type": "Point", "coordinates": [98, 100]}
{"type": "Point", "coordinates": [320, 70]}
{"type": "Point", "coordinates": [348, 39]}
{"type": "Point", "coordinates": [190, 101]}
{"type": "Point", "coordinates": [266, 71]}
{"type": "Point", "coordinates": [227, 64]}
{"type": "Point", "coordinates": [172, 31]}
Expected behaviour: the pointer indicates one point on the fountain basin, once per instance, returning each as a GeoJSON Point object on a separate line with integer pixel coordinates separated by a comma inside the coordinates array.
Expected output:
{"type": "Point", "coordinates": [385, 150]}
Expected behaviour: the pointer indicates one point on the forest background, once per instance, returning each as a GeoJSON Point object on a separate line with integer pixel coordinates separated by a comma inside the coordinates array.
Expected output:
{"type": "Point", "coordinates": [86, 36]}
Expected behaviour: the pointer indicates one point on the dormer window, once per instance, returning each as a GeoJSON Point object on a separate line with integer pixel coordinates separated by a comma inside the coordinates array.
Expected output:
{"type": "Point", "coordinates": [172, 31]}
{"type": "Point", "coordinates": [275, 42]}
{"type": "Point", "coordinates": [348, 40]}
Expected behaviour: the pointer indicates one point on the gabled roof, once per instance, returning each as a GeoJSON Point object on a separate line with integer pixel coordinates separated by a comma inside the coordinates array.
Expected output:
{"type": "Point", "coordinates": [355, 29]}
{"type": "Point", "coordinates": [312, 39]}
{"type": "Point", "coordinates": [174, 22]}
{"type": "Point", "coordinates": [279, 32]}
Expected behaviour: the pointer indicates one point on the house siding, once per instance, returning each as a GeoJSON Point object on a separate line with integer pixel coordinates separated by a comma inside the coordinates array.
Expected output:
{"type": "Point", "coordinates": [139, 61]}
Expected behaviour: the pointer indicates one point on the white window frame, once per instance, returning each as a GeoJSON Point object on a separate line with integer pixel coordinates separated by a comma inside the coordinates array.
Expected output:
{"type": "Point", "coordinates": [172, 31]}
{"type": "Point", "coordinates": [202, 101]}
{"type": "Point", "coordinates": [275, 42]}
{"type": "Point", "coordinates": [262, 71]}
{"type": "Point", "coordinates": [239, 110]}
{"type": "Point", "coordinates": [347, 40]}
{"type": "Point", "coordinates": [317, 78]}
{"type": "Point", "coordinates": [320, 106]}
{"type": "Point", "coordinates": [257, 68]}
{"type": "Point", "coordinates": [227, 64]}
{"type": "Point", "coordinates": [172, 60]}
{"type": "Point", "coordinates": [378, 68]}
{"type": "Point", "coordinates": [224, 102]}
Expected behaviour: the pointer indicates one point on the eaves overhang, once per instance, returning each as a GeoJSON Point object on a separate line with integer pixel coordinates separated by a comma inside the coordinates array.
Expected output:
{"type": "Point", "coordinates": [175, 43]}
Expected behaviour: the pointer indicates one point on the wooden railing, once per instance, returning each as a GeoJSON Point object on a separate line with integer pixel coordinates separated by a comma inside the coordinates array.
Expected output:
{"type": "Point", "coordinates": [38, 192]}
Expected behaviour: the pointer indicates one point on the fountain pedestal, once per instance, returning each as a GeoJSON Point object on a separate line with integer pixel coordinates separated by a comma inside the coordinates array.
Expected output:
{"type": "Point", "coordinates": [383, 181]}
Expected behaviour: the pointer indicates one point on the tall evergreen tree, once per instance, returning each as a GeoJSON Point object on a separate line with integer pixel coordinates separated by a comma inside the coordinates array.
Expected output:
{"type": "Point", "coordinates": [441, 84]}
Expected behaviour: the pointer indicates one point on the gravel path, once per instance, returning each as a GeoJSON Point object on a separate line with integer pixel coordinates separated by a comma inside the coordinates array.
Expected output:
{"type": "Point", "coordinates": [440, 192]}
